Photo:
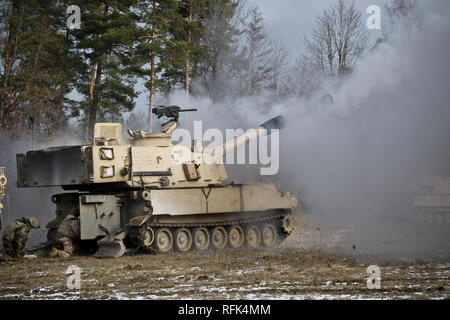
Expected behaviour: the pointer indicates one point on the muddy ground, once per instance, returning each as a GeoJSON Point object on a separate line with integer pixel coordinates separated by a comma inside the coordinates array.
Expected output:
{"type": "Point", "coordinates": [314, 263]}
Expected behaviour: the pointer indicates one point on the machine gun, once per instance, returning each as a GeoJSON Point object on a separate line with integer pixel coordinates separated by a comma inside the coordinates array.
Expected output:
{"type": "Point", "coordinates": [170, 112]}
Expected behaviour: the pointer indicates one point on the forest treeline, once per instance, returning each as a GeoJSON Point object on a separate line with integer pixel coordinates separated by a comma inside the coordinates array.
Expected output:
{"type": "Point", "coordinates": [51, 74]}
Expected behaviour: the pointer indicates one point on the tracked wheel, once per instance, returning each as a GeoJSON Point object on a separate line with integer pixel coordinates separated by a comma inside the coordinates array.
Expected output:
{"type": "Point", "coordinates": [219, 237]}
{"type": "Point", "coordinates": [270, 236]}
{"type": "Point", "coordinates": [253, 236]}
{"type": "Point", "coordinates": [163, 239]}
{"type": "Point", "coordinates": [149, 237]}
{"type": "Point", "coordinates": [288, 224]}
{"type": "Point", "coordinates": [236, 236]}
{"type": "Point", "coordinates": [183, 239]}
{"type": "Point", "coordinates": [138, 235]}
{"type": "Point", "coordinates": [201, 238]}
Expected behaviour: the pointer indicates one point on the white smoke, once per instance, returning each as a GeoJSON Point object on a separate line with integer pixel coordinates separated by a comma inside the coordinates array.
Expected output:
{"type": "Point", "coordinates": [353, 162]}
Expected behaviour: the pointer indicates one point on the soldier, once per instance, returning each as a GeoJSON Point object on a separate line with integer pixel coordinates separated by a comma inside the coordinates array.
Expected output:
{"type": "Point", "coordinates": [67, 232]}
{"type": "Point", "coordinates": [15, 236]}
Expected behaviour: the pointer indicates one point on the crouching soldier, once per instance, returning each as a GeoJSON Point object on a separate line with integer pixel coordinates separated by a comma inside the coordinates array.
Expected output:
{"type": "Point", "coordinates": [67, 232]}
{"type": "Point", "coordinates": [15, 236]}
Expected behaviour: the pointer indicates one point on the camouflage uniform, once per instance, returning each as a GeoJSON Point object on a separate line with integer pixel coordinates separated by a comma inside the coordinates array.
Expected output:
{"type": "Point", "coordinates": [15, 236]}
{"type": "Point", "coordinates": [68, 230]}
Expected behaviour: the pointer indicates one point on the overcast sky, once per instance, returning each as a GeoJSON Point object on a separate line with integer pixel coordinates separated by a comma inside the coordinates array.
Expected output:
{"type": "Point", "coordinates": [289, 20]}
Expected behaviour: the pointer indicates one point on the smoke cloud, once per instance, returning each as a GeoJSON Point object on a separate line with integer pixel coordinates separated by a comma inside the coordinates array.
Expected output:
{"type": "Point", "coordinates": [357, 160]}
{"type": "Point", "coordinates": [354, 162]}
{"type": "Point", "coordinates": [29, 202]}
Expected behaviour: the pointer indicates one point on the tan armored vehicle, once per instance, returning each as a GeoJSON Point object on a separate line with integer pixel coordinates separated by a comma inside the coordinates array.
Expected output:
{"type": "Point", "coordinates": [431, 200]}
{"type": "Point", "coordinates": [145, 192]}
{"type": "Point", "coordinates": [3, 181]}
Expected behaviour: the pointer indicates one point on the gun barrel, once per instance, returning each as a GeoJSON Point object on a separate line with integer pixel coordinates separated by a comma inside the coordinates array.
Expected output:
{"type": "Point", "coordinates": [277, 122]}
{"type": "Point", "coordinates": [243, 139]}
{"type": "Point", "coordinates": [184, 110]}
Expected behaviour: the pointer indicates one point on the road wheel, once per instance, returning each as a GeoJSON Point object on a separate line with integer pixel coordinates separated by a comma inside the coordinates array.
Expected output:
{"type": "Point", "coordinates": [183, 239]}
{"type": "Point", "coordinates": [288, 224]}
{"type": "Point", "coordinates": [163, 239]}
{"type": "Point", "coordinates": [235, 236]}
{"type": "Point", "coordinates": [138, 235]}
{"type": "Point", "coordinates": [219, 237]}
{"type": "Point", "coordinates": [448, 217]}
{"type": "Point", "coordinates": [149, 237]}
{"type": "Point", "coordinates": [269, 235]}
{"type": "Point", "coordinates": [430, 217]}
{"type": "Point", "coordinates": [253, 236]}
{"type": "Point", "coordinates": [440, 218]}
{"type": "Point", "coordinates": [201, 238]}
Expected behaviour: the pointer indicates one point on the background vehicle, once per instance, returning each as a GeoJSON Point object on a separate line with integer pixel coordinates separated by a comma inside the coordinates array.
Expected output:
{"type": "Point", "coordinates": [431, 199]}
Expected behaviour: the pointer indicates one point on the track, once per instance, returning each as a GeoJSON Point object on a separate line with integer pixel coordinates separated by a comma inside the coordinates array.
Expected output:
{"type": "Point", "coordinates": [267, 231]}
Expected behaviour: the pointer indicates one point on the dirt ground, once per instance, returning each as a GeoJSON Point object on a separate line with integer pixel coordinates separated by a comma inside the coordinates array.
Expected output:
{"type": "Point", "coordinates": [308, 265]}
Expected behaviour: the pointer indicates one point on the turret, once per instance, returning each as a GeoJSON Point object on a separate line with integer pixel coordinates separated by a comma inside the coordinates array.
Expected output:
{"type": "Point", "coordinates": [145, 160]}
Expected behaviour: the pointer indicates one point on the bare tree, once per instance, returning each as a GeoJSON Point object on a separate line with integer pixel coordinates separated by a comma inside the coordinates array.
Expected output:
{"type": "Point", "coordinates": [258, 52]}
{"type": "Point", "coordinates": [220, 37]}
{"type": "Point", "coordinates": [339, 39]}
{"type": "Point", "coordinates": [320, 45]}
{"type": "Point", "coordinates": [305, 78]}
{"type": "Point", "coordinates": [278, 78]}
{"type": "Point", "coordinates": [253, 66]}
{"type": "Point", "coordinates": [402, 15]}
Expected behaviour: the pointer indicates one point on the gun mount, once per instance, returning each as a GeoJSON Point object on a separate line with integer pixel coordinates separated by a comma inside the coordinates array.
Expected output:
{"type": "Point", "coordinates": [170, 112]}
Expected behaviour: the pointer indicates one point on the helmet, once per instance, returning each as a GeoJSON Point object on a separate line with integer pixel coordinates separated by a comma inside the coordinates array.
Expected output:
{"type": "Point", "coordinates": [33, 222]}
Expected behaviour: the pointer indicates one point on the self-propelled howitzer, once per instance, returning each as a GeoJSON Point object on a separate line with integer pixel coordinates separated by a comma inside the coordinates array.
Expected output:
{"type": "Point", "coordinates": [134, 193]}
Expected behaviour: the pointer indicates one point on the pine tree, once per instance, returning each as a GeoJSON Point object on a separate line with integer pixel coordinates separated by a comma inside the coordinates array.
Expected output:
{"type": "Point", "coordinates": [190, 9]}
{"type": "Point", "coordinates": [217, 47]}
{"type": "Point", "coordinates": [257, 52]}
{"type": "Point", "coordinates": [106, 40]}
{"type": "Point", "coordinates": [37, 60]}
{"type": "Point", "coordinates": [185, 31]}
{"type": "Point", "coordinates": [154, 44]}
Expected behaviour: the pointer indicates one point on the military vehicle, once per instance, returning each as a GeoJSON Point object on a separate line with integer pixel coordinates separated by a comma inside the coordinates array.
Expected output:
{"type": "Point", "coordinates": [3, 181]}
{"type": "Point", "coordinates": [430, 201]}
{"type": "Point", "coordinates": [145, 192]}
